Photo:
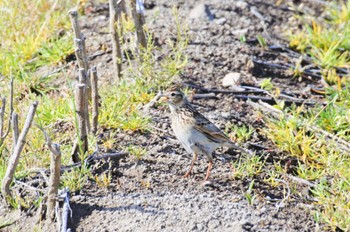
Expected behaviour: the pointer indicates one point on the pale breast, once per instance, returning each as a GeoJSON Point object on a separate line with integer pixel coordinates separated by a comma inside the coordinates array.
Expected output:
{"type": "Point", "coordinates": [191, 139]}
{"type": "Point", "coordinates": [182, 133]}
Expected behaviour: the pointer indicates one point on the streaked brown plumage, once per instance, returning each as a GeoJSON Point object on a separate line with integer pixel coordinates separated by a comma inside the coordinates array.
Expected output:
{"type": "Point", "coordinates": [195, 132]}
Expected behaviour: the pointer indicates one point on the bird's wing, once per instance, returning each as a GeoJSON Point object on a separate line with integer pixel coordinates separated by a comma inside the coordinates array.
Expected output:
{"type": "Point", "coordinates": [212, 132]}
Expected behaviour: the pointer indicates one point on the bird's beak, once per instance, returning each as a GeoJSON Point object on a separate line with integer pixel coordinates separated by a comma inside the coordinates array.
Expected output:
{"type": "Point", "coordinates": [164, 98]}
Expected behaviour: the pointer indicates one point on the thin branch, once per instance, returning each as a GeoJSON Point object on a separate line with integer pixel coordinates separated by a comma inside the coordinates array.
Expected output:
{"type": "Point", "coordinates": [2, 114]}
{"type": "Point", "coordinates": [79, 40]}
{"type": "Point", "coordinates": [30, 187]}
{"type": "Point", "coordinates": [2, 118]}
{"type": "Point", "coordinates": [139, 20]}
{"type": "Point", "coordinates": [55, 167]}
{"type": "Point", "coordinates": [299, 180]}
{"type": "Point", "coordinates": [83, 79]}
{"type": "Point", "coordinates": [13, 162]}
{"type": "Point", "coordinates": [94, 95]}
{"type": "Point", "coordinates": [152, 102]}
{"type": "Point", "coordinates": [81, 145]}
{"type": "Point", "coordinates": [80, 47]}
{"type": "Point", "coordinates": [116, 48]}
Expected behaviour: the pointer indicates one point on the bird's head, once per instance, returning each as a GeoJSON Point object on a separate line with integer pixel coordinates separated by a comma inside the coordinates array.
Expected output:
{"type": "Point", "coordinates": [174, 97]}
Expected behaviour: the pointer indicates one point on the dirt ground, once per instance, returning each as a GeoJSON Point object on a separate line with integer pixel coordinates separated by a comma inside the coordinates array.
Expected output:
{"type": "Point", "coordinates": [151, 195]}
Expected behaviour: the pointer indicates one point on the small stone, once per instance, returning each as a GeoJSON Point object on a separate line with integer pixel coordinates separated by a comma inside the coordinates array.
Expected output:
{"type": "Point", "coordinates": [225, 114]}
{"type": "Point", "coordinates": [241, 4]}
{"type": "Point", "coordinates": [233, 80]}
{"type": "Point", "coordinates": [239, 31]}
{"type": "Point", "coordinates": [221, 21]}
{"type": "Point", "coordinates": [201, 11]}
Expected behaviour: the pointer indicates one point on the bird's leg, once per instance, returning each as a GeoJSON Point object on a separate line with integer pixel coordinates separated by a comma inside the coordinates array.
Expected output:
{"type": "Point", "coordinates": [210, 165]}
{"type": "Point", "coordinates": [190, 170]}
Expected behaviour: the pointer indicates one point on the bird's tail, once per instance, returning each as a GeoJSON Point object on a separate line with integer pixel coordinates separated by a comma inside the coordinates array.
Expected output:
{"type": "Point", "coordinates": [232, 145]}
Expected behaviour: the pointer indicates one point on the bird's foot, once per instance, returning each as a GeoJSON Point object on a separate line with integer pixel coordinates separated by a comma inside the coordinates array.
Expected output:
{"type": "Point", "coordinates": [187, 174]}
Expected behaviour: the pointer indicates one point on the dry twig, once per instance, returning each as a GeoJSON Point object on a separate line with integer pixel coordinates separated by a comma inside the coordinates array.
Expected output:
{"type": "Point", "coordinates": [15, 130]}
{"type": "Point", "coordinates": [139, 20]}
{"type": "Point", "coordinates": [94, 92]}
{"type": "Point", "coordinates": [81, 145]}
{"type": "Point", "coordinates": [13, 162]}
{"type": "Point", "coordinates": [116, 48]}
{"type": "Point", "coordinates": [55, 172]}
{"type": "Point", "coordinates": [80, 47]}
{"type": "Point", "coordinates": [152, 102]}
{"type": "Point", "coordinates": [3, 134]}
{"type": "Point", "coordinates": [83, 79]}
{"type": "Point", "coordinates": [79, 41]}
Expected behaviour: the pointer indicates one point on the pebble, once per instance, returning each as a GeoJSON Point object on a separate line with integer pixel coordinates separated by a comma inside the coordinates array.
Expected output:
{"type": "Point", "coordinates": [232, 80]}
{"type": "Point", "coordinates": [201, 11]}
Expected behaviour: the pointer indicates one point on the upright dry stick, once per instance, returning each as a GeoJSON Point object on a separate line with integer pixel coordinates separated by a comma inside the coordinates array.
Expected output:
{"type": "Point", "coordinates": [55, 174]}
{"type": "Point", "coordinates": [3, 134]}
{"type": "Point", "coordinates": [15, 130]}
{"type": "Point", "coordinates": [82, 144]}
{"type": "Point", "coordinates": [2, 117]}
{"type": "Point", "coordinates": [55, 167]}
{"type": "Point", "coordinates": [116, 49]}
{"type": "Point", "coordinates": [94, 92]}
{"type": "Point", "coordinates": [80, 41]}
{"type": "Point", "coordinates": [13, 162]}
{"type": "Point", "coordinates": [139, 21]}
{"type": "Point", "coordinates": [83, 79]}
{"type": "Point", "coordinates": [80, 47]}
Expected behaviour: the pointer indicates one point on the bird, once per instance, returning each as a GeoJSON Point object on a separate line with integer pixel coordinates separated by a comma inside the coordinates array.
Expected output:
{"type": "Point", "coordinates": [194, 131]}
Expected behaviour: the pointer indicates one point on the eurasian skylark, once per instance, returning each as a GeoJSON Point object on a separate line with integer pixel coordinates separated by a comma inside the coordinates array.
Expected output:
{"type": "Point", "coordinates": [195, 132]}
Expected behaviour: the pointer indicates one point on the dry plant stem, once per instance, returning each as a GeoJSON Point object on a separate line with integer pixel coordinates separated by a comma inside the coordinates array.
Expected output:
{"type": "Point", "coordinates": [152, 102]}
{"type": "Point", "coordinates": [55, 174]}
{"type": "Point", "coordinates": [83, 79]}
{"type": "Point", "coordinates": [82, 143]}
{"type": "Point", "coordinates": [13, 162]}
{"type": "Point", "coordinates": [94, 93]}
{"type": "Point", "coordinates": [2, 118]}
{"type": "Point", "coordinates": [116, 48]}
{"type": "Point", "coordinates": [15, 130]}
{"type": "Point", "coordinates": [2, 114]}
{"type": "Point", "coordinates": [81, 49]}
{"type": "Point", "coordinates": [139, 21]}
{"type": "Point", "coordinates": [55, 167]}
{"type": "Point", "coordinates": [121, 9]}
{"type": "Point", "coordinates": [299, 180]}
{"type": "Point", "coordinates": [112, 156]}
{"type": "Point", "coordinates": [29, 187]}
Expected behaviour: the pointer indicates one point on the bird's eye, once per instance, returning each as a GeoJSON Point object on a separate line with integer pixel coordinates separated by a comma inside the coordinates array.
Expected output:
{"type": "Point", "coordinates": [172, 94]}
